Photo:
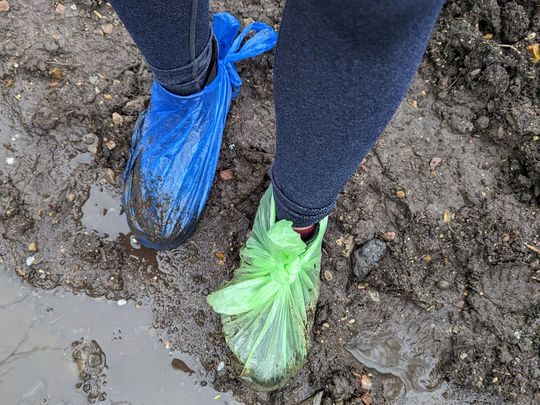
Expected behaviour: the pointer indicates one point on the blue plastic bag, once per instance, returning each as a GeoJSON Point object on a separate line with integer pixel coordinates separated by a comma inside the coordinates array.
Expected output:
{"type": "Point", "coordinates": [176, 143]}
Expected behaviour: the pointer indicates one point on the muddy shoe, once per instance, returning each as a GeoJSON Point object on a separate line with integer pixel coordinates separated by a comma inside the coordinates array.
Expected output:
{"type": "Point", "coordinates": [176, 143]}
{"type": "Point", "coordinates": [267, 308]}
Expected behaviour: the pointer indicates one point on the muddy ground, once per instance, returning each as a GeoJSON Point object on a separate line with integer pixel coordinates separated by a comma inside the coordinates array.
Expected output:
{"type": "Point", "coordinates": [452, 310]}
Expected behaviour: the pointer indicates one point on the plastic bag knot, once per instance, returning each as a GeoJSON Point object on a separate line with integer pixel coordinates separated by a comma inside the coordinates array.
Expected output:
{"type": "Point", "coordinates": [232, 47]}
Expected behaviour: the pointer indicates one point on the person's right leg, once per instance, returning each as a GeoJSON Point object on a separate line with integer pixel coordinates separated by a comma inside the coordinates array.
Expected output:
{"type": "Point", "coordinates": [175, 38]}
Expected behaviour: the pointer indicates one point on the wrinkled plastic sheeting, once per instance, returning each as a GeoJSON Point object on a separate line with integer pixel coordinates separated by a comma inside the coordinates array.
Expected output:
{"type": "Point", "coordinates": [176, 142]}
{"type": "Point", "coordinates": [267, 308]}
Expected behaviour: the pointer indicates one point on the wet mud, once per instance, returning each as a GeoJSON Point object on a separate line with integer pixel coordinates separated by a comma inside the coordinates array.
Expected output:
{"type": "Point", "coordinates": [448, 310]}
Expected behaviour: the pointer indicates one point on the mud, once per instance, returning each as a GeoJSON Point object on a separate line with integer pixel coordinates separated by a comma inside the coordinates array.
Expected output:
{"type": "Point", "coordinates": [452, 188]}
{"type": "Point", "coordinates": [66, 349]}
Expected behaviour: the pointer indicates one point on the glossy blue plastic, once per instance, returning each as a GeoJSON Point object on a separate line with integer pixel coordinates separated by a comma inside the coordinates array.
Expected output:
{"type": "Point", "coordinates": [176, 143]}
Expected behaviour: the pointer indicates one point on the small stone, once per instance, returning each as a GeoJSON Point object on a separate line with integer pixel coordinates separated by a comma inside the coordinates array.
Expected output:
{"type": "Point", "coordinates": [365, 382]}
{"type": "Point", "coordinates": [10, 160]}
{"type": "Point", "coordinates": [92, 142]}
{"type": "Point", "coordinates": [121, 302]}
{"type": "Point", "coordinates": [326, 325]}
{"type": "Point", "coordinates": [32, 247]}
{"type": "Point", "coordinates": [107, 28]}
{"type": "Point", "coordinates": [389, 236]}
{"type": "Point", "coordinates": [443, 285]}
{"type": "Point", "coordinates": [463, 356]}
{"type": "Point", "coordinates": [315, 399]}
{"type": "Point", "coordinates": [134, 243]}
{"type": "Point", "coordinates": [4, 6]}
{"type": "Point", "coordinates": [56, 73]}
{"type": "Point", "coordinates": [220, 366]}
{"type": "Point", "coordinates": [110, 176]}
{"type": "Point", "coordinates": [374, 295]}
{"type": "Point", "coordinates": [71, 197]}
{"type": "Point", "coordinates": [366, 398]}
{"type": "Point", "coordinates": [367, 257]}
{"type": "Point", "coordinates": [427, 258]}
{"type": "Point", "coordinates": [400, 194]}
{"type": "Point", "coordinates": [436, 161]}
{"type": "Point", "coordinates": [535, 264]}
{"type": "Point", "coordinates": [110, 144]}
{"type": "Point", "coordinates": [328, 276]}
{"type": "Point", "coordinates": [60, 9]}
{"type": "Point", "coordinates": [346, 243]}
{"type": "Point", "coordinates": [117, 119]}
{"type": "Point", "coordinates": [30, 260]}
{"type": "Point", "coordinates": [226, 174]}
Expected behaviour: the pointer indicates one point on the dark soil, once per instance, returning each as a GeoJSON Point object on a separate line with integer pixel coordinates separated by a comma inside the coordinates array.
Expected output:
{"type": "Point", "coordinates": [452, 188]}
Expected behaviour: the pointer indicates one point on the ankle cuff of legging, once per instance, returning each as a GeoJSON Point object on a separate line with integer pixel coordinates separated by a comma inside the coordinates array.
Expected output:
{"type": "Point", "coordinates": [292, 211]}
{"type": "Point", "coordinates": [187, 79]}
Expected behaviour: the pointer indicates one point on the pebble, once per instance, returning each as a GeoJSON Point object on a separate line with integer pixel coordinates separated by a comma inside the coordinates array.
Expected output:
{"type": "Point", "coordinates": [110, 176]}
{"type": "Point", "coordinates": [389, 236]}
{"type": "Point", "coordinates": [121, 302]}
{"type": "Point", "coordinates": [117, 119]}
{"type": "Point", "coordinates": [60, 9]}
{"type": "Point", "coordinates": [374, 295]}
{"type": "Point", "coordinates": [110, 144]}
{"type": "Point", "coordinates": [436, 161]}
{"type": "Point", "coordinates": [226, 174]}
{"type": "Point", "coordinates": [366, 398]}
{"type": "Point", "coordinates": [221, 366]}
{"type": "Point", "coordinates": [365, 382]}
{"type": "Point", "coordinates": [315, 399]}
{"type": "Point", "coordinates": [328, 275]}
{"type": "Point", "coordinates": [400, 194]}
{"type": "Point", "coordinates": [92, 141]}
{"type": "Point", "coordinates": [10, 160]}
{"type": "Point", "coordinates": [107, 28]}
{"type": "Point", "coordinates": [30, 260]}
{"type": "Point", "coordinates": [4, 6]}
{"type": "Point", "coordinates": [134, 243]}
{"type": "Point", "coordinates": [463, 356]}
{"type": "Point", "coordinates": [367, 257]}
{"type": "Point", "coordinates": [32, 247]}
{"type": "Point", "coordinates": [71, 197]}
{"type": "Point", "coordinates": [443, 285]}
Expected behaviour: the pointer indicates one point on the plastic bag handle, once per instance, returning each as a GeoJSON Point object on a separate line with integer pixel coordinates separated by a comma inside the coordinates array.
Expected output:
{"type": "Point", "coordinates": [264, 39]}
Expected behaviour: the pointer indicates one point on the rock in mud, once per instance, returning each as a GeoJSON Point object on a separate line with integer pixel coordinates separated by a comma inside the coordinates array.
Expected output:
{"type": "Point", "coordinates": [367, 257]}
{"type": "Point", "coordinates": [315, 399]}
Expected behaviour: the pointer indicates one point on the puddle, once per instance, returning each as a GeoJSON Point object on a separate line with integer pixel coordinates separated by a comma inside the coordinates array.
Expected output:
{"type": "Point", "coordinates": [116, 350]}
{"type": "Point", "coordinates": [102, 212]}
{"type": "Point", "coordinates": [387, 355]}
{"type": "Point", "coordinates": [390, 356]}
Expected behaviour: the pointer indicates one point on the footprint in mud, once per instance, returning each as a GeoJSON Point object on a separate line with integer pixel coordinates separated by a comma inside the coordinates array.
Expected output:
{"type": "Point", "coordinates": [91, 365]}
{"type": "Point", "coordinates": [388, 355]}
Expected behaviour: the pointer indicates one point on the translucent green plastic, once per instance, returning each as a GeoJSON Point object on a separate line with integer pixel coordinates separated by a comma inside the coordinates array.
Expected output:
{"type": "Point", "coordinates": [267, 308]}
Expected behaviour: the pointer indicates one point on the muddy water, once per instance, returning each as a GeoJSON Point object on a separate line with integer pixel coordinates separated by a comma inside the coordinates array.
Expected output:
{"type": "Point", "coordinates": [37, 365]}
{"type": "Point", "coordinates": [408, 378]}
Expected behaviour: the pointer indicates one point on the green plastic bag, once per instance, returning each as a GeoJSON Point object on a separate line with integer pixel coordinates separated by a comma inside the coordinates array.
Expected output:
{"type": "Point", "coordinates": [267, 308]}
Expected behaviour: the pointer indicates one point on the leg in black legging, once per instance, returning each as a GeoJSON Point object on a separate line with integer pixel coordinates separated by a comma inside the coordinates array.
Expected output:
{"type": "Point", "coordinates": [174, 37]}
{"type": "Point", "coordinates": [342, 68]}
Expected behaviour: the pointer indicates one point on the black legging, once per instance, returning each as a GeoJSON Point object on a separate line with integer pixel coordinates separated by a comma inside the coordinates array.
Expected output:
{"type": "Point", "coordinates": [341, 69]}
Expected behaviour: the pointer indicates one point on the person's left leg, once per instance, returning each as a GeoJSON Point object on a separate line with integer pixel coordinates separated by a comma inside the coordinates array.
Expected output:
{"type": "Point", "coordinates": [176, 141]}
{"type": "Point", "coordinates": [175, 38]}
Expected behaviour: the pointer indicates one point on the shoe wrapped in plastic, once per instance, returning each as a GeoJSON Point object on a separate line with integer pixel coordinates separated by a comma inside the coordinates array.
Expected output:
{"type": "Point", "coordinates": [176, 143]}
{"type": "Point", "coordinates": [267, 308]}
